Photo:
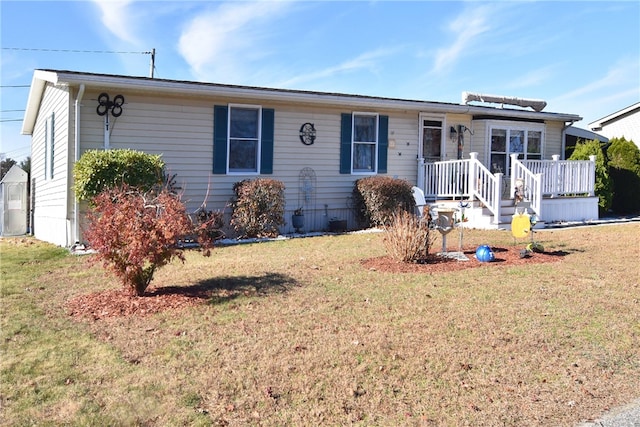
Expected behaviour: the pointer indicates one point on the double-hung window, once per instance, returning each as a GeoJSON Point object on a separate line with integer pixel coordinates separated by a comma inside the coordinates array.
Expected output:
{"type": "Point", "coordinates": [365, 142]}
{"type": "Point", "coordinates": [243, 139]}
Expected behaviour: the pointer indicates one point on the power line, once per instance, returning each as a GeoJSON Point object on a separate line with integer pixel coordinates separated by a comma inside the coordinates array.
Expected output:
{"type": "Point", "coordinates": [7, 86]}
{"type": "Point", "coordinates": [74, 50]}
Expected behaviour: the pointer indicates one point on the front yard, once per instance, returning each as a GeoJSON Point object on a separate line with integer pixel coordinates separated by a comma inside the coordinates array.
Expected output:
{"type": "Point", "coordinates": [309, 332]}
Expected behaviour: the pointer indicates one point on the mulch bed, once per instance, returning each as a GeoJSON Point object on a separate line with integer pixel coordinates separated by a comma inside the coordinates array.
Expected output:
{"type": "Point", "coordinates": [116, 303]}
{"type": "Point", "coordinates": [438, 264]}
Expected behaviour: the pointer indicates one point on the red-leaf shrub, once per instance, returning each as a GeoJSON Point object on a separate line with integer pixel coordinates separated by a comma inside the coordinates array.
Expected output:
{"type": "Point", "coordinates": [135, 233]}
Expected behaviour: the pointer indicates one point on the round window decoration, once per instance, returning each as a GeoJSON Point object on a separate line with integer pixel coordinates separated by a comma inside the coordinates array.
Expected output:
{"type": "Point", "coordinates": [307, 133]}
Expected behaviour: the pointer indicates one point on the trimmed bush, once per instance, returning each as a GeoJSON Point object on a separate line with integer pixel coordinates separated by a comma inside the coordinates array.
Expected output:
{"type": "Point", "coordinates": [97, 170]}
{"type": "Point", "coordinates": [408, 238]}
{"type": "Point", "coordinates": [258, 207]}
{"type": "Point", "coordinates": [603, 184]}
{"type": "Point", "coordinates": [624, 167]}
{"type": "Point", "coordinates": [377, 198]}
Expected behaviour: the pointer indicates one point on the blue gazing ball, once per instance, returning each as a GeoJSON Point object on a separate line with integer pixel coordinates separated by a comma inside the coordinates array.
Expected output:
{"type": "Point", "coordinates": [485, 254]}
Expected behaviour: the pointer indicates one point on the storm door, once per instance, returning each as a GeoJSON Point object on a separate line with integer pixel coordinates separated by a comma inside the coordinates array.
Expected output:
{"type": "Point", "coordinates": [431, 137]}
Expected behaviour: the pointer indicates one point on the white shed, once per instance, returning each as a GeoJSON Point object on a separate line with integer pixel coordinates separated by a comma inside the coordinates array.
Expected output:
{"type": "Point", "coordinates": [13, 210]}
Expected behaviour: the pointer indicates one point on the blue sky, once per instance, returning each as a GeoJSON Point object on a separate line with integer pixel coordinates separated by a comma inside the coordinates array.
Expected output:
{"type": "Point", "coordinates": [581, 57]}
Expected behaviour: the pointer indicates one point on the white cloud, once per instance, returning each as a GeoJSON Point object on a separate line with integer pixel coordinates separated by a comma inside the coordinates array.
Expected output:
{"type": "Point", "coordinates": [118, 19]}
{"type": "Point", "coordinates": [221, 44]}
{"type": "Point", "coordinates": [367, 61]}
{"type": "Point", "coordinates": [617, 89]}
{"type": "Point", "coordinates": [621, 74]}
{"type": "Point", "coordinates": [532, 78]}
{"type": "Point", "coordinates": [467, 27]}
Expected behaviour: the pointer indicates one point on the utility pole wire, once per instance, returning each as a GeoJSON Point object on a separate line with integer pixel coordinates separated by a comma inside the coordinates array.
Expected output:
{"type": "Point", "coordinates": [74, 50]}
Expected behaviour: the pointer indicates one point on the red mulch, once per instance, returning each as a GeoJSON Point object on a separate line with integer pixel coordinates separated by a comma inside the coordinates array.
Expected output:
{"type": "Point", "coordinates": [438, 264]}
{"type": "Point", "coordinates": [117, 303]}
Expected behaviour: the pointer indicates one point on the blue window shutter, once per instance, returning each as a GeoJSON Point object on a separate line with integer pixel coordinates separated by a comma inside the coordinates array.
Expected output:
{"type": "Point", "coordinates": [345, 143]}
{"type": "Point", "coordinates": [266, 148]}
{"type": "Point", "coordinates": [383, 143]}
{"type": "Point", "coordinates": [220, 113]}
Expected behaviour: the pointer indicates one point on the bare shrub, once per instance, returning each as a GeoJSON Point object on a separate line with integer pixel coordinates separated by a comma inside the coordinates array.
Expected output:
{"type": "Point", "coordinates": [258, 207]}
{"type": "Point", "coordinates": [408, 238]}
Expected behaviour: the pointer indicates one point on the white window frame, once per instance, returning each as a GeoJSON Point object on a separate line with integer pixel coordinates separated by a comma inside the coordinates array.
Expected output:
{"type": "Point", "coordinates": [513, 127]}
{"type": "Point", "coordinates": [259, 139]}
{"type": "Point", "coordinates": [374, 143]}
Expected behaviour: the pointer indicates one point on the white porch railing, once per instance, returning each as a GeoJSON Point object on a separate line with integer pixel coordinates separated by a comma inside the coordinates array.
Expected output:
{"type": "Point", "coordinates": [470, 179]}
{"type": "Point", "coordinates": [467, 178]}
{"type": "Point", "coordinates": [532, 184]}
{"type": "Point", "coordinates": [565, 177]}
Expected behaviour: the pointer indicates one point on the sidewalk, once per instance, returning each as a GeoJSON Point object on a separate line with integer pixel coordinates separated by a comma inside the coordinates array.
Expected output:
{"type": "Point", "coordinates": [624, 416]}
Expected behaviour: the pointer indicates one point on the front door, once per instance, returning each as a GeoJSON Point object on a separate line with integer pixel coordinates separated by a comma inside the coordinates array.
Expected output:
{"type": "Point", "coordinates": [431, 132]}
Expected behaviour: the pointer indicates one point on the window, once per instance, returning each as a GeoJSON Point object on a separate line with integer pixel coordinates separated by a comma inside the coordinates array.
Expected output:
{"type": "Point", "coordinates": [364, 143]}
{"type": "Point", "coordinates": [243, 139]}
{"type": "Point", "coordinates": [505, 140]}
{"type": "Point", "coordinates": [49, 145]}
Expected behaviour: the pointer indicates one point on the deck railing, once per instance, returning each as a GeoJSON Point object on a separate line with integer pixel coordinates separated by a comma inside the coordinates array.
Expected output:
{"type": "Point", "coordinates": [461, 179]}
{"type": "Point", "coordinates": [470, 179]}
{"type": "Point", "coordinates": [564, 177]}
{"type": "Point", "coordinates": [530, 183]}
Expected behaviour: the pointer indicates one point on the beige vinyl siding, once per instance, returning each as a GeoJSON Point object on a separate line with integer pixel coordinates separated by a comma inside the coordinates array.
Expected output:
{"type": "Point", "coordinates": [478, 142]}
{"type": "Point", "coordinates": [552, 140]}
{"type": "Point", "coordinates": [51, 214]}
{"type": "Point", "coordinates": [181, 130]}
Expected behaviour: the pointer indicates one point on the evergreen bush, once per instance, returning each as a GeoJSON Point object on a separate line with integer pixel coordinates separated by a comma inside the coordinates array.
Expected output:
{"type": "Point", "coordinates": [603, 184]}
{"type": "Point", "coordinates": [624, 166]}
{"type": "Point", "coordinates": [97, 170]}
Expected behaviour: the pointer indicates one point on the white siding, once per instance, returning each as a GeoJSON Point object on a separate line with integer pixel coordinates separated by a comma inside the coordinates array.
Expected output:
{"type": "Point", "coordinates": [627, 127]}
{"type": "Point", "coordinates": [50, 213]}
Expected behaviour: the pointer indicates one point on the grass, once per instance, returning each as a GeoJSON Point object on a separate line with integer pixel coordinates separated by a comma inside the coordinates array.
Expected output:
{"type": "Point", "coordinates": [301, 334]}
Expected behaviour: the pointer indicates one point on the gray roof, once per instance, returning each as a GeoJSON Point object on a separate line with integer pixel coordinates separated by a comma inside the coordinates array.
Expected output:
{"type": "Point", "coordinates": [191, 88]}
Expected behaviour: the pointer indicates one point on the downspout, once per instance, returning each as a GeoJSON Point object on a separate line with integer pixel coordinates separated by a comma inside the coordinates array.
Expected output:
{"type": "Point", "coordinates": [76, 208]}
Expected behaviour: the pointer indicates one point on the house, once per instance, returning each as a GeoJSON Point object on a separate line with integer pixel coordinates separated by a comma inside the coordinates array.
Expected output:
{"type": "Point", "coordinates": [318, 144]}
{"type": "Point", "coordinates": [574, 135]}
{"type": "Point", "coordinates": [624, 123]}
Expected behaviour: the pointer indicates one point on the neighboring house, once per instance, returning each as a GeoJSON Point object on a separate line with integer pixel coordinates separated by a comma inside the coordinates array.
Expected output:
{"type": "Point", "coordinates": [624, 123]}
{"type": "Point", "coordinates": [318, 144]}
{"type": "Point", "coordinates": [573, 135]}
